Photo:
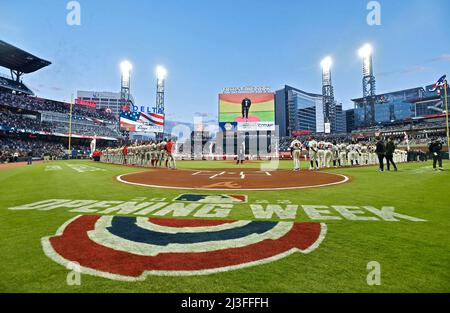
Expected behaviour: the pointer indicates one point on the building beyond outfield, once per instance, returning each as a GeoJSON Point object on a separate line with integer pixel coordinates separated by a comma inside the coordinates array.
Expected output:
{"type": "Point", "coordinates": [397, 106]}
{"type": "Point", "coordinates": [104, 100]}
{"type": "Point", "coordinates": [298, 112]}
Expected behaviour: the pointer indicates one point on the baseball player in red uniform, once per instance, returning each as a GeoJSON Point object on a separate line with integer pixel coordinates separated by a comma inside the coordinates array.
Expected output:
{"type": "Point", "coordinates": [124, 153]}
{"type": "Point", "coordinates": [170, 159]}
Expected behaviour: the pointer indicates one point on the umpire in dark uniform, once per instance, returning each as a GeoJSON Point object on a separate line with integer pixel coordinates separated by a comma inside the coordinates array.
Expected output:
{"type": "Point", "coordinates": [380, 151]}
{"type": "Point", "coordinates": [436, 152]}
{"type": "Point", "coordinates": [246, 103]}
{"type": "Point", "coordinates": [390, 149]}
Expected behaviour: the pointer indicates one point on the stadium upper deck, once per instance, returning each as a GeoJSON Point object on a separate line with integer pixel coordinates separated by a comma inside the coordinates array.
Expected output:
{"type": "Point", "coordinates": [22, 112]}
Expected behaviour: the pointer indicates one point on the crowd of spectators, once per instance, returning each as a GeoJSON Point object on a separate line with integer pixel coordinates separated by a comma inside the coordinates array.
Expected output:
{"type": "Point", "coordinates": [24, 121]}
{"type": "Point", "coordinates": [13, 150]}
{"type": "Point", "coordinates": [404, 127]}
{"type": "Point", "coordinates": [9, 119]}
{"type": "Point", "coordinates": [81, 129]}
{"type": "Point", "coordinates": [40, 104]}
{"type": "Point", "coordinates": [421, 140]}
{"type": "Point", "coordinates": [32, 122]}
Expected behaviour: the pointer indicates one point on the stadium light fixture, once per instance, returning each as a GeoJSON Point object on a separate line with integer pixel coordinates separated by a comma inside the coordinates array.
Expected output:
{"type": "Point", "coordinates": [365, 51]}
{"type": "Point", "coordinates": [326, 64]}
{"type": "Point", "coordinates": [125, 67]}
{"type": "Point", "coordinates": [161, 72]}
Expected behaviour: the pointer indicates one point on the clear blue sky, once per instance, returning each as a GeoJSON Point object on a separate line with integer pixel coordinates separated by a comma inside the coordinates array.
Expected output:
{"type": "Point", "coordinates": [210, 44]}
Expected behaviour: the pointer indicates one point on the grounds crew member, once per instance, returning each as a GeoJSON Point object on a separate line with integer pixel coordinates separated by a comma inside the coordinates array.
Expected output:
{"type": "Point", "coordinates": [246, 103]}
{"type": "Point", "coordinates": [436, 152]}
{"type": "Point", "coordinates": [296, 152]}
{"type": "Point", "coordinates": [390, 149]}
{"type": "Point", "coordinates": [380, 151]}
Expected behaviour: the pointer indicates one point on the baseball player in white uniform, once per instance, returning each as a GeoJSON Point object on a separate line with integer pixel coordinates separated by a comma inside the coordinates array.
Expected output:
{"type": "Point", "coordinates": [313, 150]}
{"type": "Point", "coordinates": [373, 158]}
{"type": "Point", "coordinates": [351, 154]}
{"type": "Point", "coordinates": [335, 154]}
{"type": "Point", "coordinates": [357, 154]}
{"type": "Point", "coordinates": [153, 154]}
{"type": "Point", "coordinates": [296, 152]}
{"type": "Point", "coordinates": [364, 155]}
{"type": "Point", "coordinates": [342, 154]}
{"type": "Point", "coordinates": [321, 154]}
{"type": "Point", "coordinates": [328, 154]}
{"type": "Point", "coordinates": [241, 152]}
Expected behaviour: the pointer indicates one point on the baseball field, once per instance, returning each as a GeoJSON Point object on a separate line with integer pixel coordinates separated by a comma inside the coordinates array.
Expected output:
{"type": "Point", "coordinates": [72, 226]}
{"type": "Point", "coordinates": [262, 109]}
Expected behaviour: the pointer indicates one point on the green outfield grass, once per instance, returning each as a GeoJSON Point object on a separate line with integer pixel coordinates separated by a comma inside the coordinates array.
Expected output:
{"type": "Point", "coordinates": [414, 256]}
{"type": "Point", "coordinates": [263, 116]}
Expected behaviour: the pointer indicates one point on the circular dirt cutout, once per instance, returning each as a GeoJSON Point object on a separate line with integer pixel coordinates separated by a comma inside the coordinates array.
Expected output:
{"type": "Point", "coordinates": [232, 179]}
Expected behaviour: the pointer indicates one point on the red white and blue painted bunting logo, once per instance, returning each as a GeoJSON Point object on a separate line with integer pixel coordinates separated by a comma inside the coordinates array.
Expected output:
{"type": "Point", "coordinates": [211, 198]}
{"type": "Point", "coordinates": [130, 248]}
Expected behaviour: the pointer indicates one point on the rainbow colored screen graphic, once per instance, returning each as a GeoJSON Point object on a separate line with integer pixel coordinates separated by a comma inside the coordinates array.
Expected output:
{"type": "Point", "coordinates": [261, 115]}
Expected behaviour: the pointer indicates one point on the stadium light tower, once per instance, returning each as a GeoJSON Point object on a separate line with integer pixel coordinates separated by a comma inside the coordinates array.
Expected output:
{"type": "Point", "coordinates": [125, 69]}
{"type": "Point", "coordinates": [369, 87]}
{"type": "Point", "coordinates": [329, 105]}
{"type": "Point", "coordinates": [161, 74]}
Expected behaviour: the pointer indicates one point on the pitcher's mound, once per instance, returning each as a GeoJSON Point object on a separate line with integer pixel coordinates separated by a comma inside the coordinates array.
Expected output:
{"type": "Point", "coordinates": [232, 179]}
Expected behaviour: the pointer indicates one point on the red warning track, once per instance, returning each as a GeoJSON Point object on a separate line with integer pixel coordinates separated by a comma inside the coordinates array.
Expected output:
{"type": "Point", "coordinates": [232, 179]}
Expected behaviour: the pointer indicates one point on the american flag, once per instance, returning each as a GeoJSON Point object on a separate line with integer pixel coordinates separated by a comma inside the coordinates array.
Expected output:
{"type": "Point", "coordinates": [130, 119]}
{"type": "Point", "coordinates": [152, 118]}
{"type": "Point", "coordinates": [439, 84]}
